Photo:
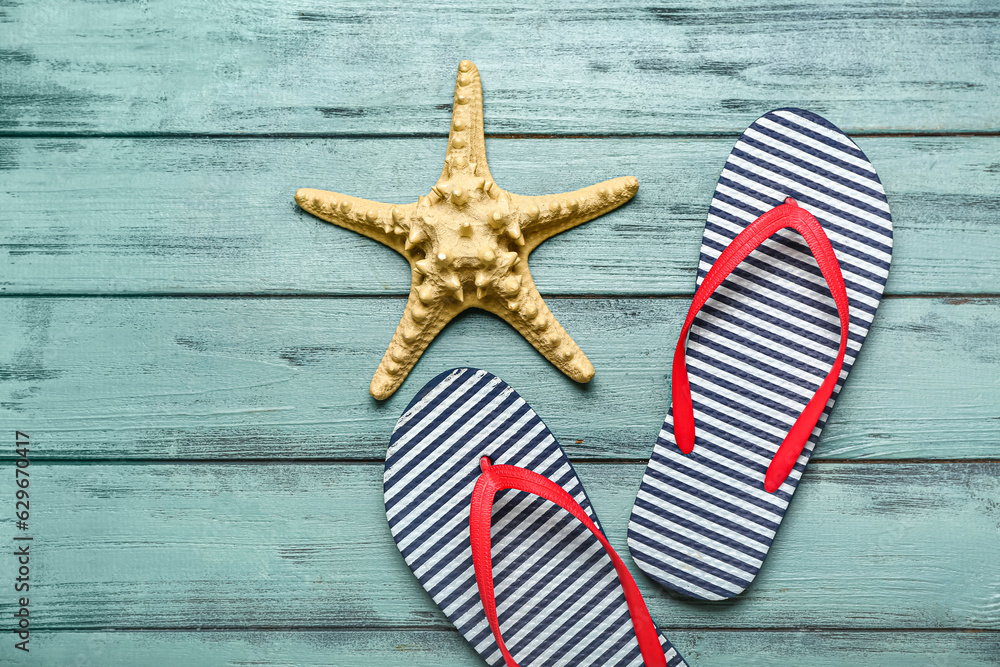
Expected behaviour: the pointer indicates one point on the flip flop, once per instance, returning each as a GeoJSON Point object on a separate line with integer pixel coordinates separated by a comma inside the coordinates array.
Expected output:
{"type": "Point", "coordinates": [542, 586]}
{"type": "Point", "coordinates": [799, 216]}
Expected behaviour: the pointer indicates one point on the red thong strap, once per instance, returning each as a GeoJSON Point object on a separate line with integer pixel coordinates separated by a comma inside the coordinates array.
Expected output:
{"type": "Point", "coordinates": [499, 477]}
{"type": "Point", "coordinates": [790, 215]}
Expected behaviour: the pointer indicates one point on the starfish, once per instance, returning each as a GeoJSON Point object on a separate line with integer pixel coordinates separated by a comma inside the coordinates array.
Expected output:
{"type": "Point", "coordinates": [467, 242]}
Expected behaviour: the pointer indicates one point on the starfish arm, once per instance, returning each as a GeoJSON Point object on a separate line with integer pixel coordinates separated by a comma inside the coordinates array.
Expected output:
{"type": "Point", "coordinates": [385, 223]}
{"type": "Point", "coordinates": [548, 215]}
{"type": "Point", "coordinates": [425, 316]}
{"type": "Point", "coordinates": [466, 140]}
{"type": "Point", "coordinates": [527, 312]}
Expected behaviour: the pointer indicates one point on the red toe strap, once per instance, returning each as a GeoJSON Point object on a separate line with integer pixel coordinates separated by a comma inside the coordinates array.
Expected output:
{"type": "Point", "coordinates": [500, 477]}
{"type": "Point", "coordinates": [786, 215]}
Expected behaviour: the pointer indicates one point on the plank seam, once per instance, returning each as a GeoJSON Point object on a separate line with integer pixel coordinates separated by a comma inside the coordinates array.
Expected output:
{"type": "Point", "coordinates": [438, 135]}
{"type": "Point", "coordinates": [446, 628]}
{"type": "Point", "coordinates": [403, 296]}
{"type": "Point", "coordinates": [379, 461]}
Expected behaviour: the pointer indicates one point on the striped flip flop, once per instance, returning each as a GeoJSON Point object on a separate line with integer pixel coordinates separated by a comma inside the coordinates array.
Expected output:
{"type": "Point", "coordinates": [492, 519]}
{"type": "Point", "coordinates": [794, 260]}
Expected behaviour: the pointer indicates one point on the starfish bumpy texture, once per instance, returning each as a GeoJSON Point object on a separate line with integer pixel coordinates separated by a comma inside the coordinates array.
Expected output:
{"type": "Point", "coordinates": [468, 243]}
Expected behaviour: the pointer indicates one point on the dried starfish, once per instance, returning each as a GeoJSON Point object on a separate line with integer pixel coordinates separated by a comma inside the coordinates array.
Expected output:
{"type": "Point", "coordinates": [468, 242]}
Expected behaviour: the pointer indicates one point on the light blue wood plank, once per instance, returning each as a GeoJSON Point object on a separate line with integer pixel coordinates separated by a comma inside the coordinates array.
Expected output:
{"type": "Point", "coordinates": [168, 216]}
{"type": "Point", "coordinates": [897, 546]}
{"type": "Point", "coordinates": [361, 67]}
{"type": "Point", "coordinates": [277, 378]}
{"type": "Point", "coordinates": [908, 550]}
{"type": "Point", "coordinates": [432, 648]}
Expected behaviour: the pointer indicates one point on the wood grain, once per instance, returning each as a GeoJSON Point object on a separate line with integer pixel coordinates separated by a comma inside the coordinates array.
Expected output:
{"type": "Point", "coordinates": [433, 648]}
{"type": "Point", "coordinates": [896, 546]}
{"type": "Point", "coordinates": [217, 378]}
{"type": "Point", "coordinates": [216, 216]}
{"type": "Point", "coordinates": [368, 68]}
{"type": "Point", "coordinates": [206, 469]}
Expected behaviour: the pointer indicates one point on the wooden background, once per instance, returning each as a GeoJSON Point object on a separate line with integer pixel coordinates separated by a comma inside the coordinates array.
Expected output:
{"type": "Point", "coordinates": [190, 354]}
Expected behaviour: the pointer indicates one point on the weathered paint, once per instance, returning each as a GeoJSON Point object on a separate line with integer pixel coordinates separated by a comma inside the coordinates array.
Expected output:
{"type": "Point", "coordinates": [110, 191]}
{"type": "Point", "coordinates": [629, 68]}
{"type": "Point", "coordinates": [177, 216]}
{"type": "Point", "coordinates": [222, 545]}
{"type": "Point", "coordinates": [274, 378]}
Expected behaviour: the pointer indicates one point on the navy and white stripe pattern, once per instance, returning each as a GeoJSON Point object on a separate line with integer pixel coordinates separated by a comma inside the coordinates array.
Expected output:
{"type": "Point", "coordinates": [558, 597]}
{"type": "Point", "coordinates": [702, 523]}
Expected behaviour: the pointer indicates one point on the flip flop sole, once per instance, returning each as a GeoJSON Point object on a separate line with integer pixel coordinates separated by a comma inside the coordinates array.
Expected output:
{"type": "Point", "coordinates": [702, 523]}
{"type": "Point", "coordinates": [558, 596]}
